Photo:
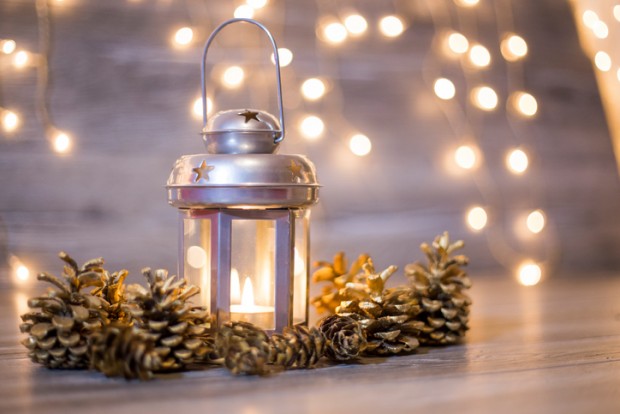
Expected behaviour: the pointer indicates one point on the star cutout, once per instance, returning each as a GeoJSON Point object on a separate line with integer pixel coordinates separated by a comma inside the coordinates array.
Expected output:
{"type": "Point", "coordinates": [203, 171]}
{"type": "Point", "coordinates": [249, 115]}
{"type": "Point", "coordinates": [296, 170]}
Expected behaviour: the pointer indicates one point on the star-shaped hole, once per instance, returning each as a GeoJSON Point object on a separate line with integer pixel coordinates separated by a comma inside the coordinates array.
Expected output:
{"type": "Point", "coordinates": [202, 171]}
{"type": "Point", "coordinates": [249, 115]}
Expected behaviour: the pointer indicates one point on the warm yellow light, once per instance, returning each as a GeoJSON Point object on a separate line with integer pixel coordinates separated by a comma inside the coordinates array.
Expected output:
{"type": "Point", "coordinates": [529, 273]}
{"type": "Point", "coordinates": [10, 120]}
{"type": "Point", "coordinates": [196, 257]}
{"type": "Point", "coordinates": [197, 107]}
{"type": "Point", "coordinates": [256, 4]}
{"type": "Point", "coordinates": [21, 59]}
{"type": "Point", "coordinates": [22, 273]}
{"type": "Point", "coordinates": [235, 287]}
{"type": "Point", "coordinates": [335, 32]}
{"type": "Point", "coordinates": [8, 46]}
{"type": "Point", "coordinates": [61, 143]}
{"type": "Point", "coordinates": [477, 218]}
{"type": "Point", "coordinates": [617, 12]}
{"type": "Point", "coordinates": [465, 157]}
{"type": "Point", "coordinates": [535, 221]}
{"type": "Point", "coordinates": [517, 161]}
{"type": "Point", "coordinates": [355, 24]}
{"type": "Point", "coordinates": [444, 89]}
{"type": "Point", "coordinates": [602, 61]}
{"type": "Point", "coordinates": [479, 56]}
{"type": "Point", "coordinates": [458, 43]}
{"type": "Point", "coordinates": [284, 55]}
{"type": "Point", "coordinates": [183, 36]}
{"type": "Point", "coordinates": [360, 145]}
{"type": "Point", "coordinates": [589, 18]}
{"type": "Point", "coordinates": [233, 77]}
{"type": "Point", "coordinates": [391, 26]}
{"type": "Point", "coordinates": [467, 3]}
{"type": "Point", "coordinates": [513, 47]}
{"type": "Point", "coordinates": [484, 97]}
{"type": "Point", "coordinates": [244, 11]}
{"type": "Point", "coordinates": [600, 29]}
{"type": "Point", "coordinates": [247, 297]}
{"type": "Point", "coordinates": [312, 127]}
{"type": "Point", "coordinates": [313, 89]}
{"type": "Point", "coordinates": [524, 103]}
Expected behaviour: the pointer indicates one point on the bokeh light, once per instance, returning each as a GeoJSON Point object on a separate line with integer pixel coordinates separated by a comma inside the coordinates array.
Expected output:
{"type": "Point", "coordinates": [360, 145]}
{"type": "Point", "coordinates": [21, 59]}
{"type": "Point", "coordinates": [517, 161]}
{"type": "Point", "coordinates": [61, 143]}
{"type": "Point", "coordinates": [513, 47]}
{"type": "Point", "coordinates": [600, 30]}
{"type": "Point", "coordinates": [334, 33]}
{"type": "Point", "coordinates": [197, 107]}
{"type": "Point", "coordinates": [457, 43]}
{"type": "Point", "coordinates": [391, 26]}
{"type": "Point", "coordinates": [312, 127]}
{"type": "Point", "coordinates": [529, 273]}
{"type": "Point", "coordinates": [479, 56]}
{"type": "Point", "coordinates": [244, 11]}
{"type": "Point", "coordinates": [484, 97]}
{"type": "Point", "coordinates": [444, 89]}
{"type": "Point", "coordinates": [466, 157]}
{"type": "Point", "coordinates": [10, 120]}
{"type": "Point", "coordinates": [602, 61]}
{"type": "Point", "coordinates": [183, 36]}
{"type": "Point", "coordinates": [284, 55]}
{"type": "Point", "coordinates": [233, 77]}
{"type": "Point", "coordinates": [467, 3]}
{"type": "Point", "coordinates": [589, 18]}
{"type": "Point", "coordinates": [476, 218]}
{"type": "Point", "coordinates": [535, 221]}
{"type": "Point", "coordinates": [256, 4]}
{"type": "Point", "coordinates": [7, 46]}
{"type": "Point", "coordinates": [356, 24]}
{"type": "Point", "coordinates": [524, 104]}
{"type": "Point", "coordinates": [313, 89]}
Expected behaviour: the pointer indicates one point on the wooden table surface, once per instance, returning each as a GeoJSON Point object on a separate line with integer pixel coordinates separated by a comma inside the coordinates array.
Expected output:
{"type": "Point", "coordinates": [545, 349]}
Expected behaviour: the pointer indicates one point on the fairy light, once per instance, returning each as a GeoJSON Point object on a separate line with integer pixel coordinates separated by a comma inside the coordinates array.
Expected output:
{"type": "Point", "coordinates": [444, 89]}
{"type": "Point", "coordinates": [477, 218]}
{"type": "Point", "coordinates": [360, 145]}
{"type": "Point", "coordinates": [284, 55]}
{"type": "Point", "coordinates": [513, 47]}
{"type": "Point", "coordinates": [529, 273]}
{"type": "Point", "coordinates": [256, 4]}
{"type": "Point", "coordinates": [61, 143]}
{"type": "Point", "coordinates": [479, 56]}
{"type": "Point", "coordinates": [517, 161]}
{"type": "Point", "coordinates": [524, 104]}
{"type": "Point", "coordinates": [10, 120]}
{"type": "Point", "coordinates": [233, 77]}
{"type": "Point", "coordinates": [465, 157]}
{"type": "Point", "coordinates": [535, 221]}
{"type": "Point", "coordinates": [8, 46]}
{"type": "Point", "coordinates": [313, 89]}
{"type": "Point", "coordinates": [183, 36]}
{"type": "Point", "coordinates": [21, 59]}
{"type": "Point", "coordinates": [484, 97]}
{"type": "Point", "coordinates": [600, 29]}
{"type": "Point", "coordinates": [335, 32]}
{"type": "Point", "coordinates": [197, 107]}
{"type": "Point", "coordinates": [312, 127]}
{"type": "Point", "coordinates": [457, 43]}
{"type": "Point", "coordinates": [21, 273]}
{"type": "Point", "coordinates": [355, 24]}
{"type": "Point", "coordinates": [244, 11]}
{"type": "Point", "coordinates": [391, 26]}
{"type": "Point", "coordinates": [589, 18]}
{"type": "Point", "coordinates": [602, 61]}
{"type": "Point", "coordinates": [467, 3]}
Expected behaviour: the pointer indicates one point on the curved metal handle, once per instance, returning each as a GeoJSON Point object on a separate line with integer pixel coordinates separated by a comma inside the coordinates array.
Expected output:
{"type": "Point", "coordinates": [279, 134]}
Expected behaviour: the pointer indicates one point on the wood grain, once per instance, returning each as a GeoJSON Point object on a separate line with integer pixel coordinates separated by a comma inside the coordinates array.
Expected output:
{"type": "Point", "coordinates": [554, 348]}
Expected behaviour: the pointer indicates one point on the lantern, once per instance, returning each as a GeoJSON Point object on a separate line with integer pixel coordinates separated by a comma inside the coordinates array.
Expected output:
{"type": "Point", "coordinates": [244, 214]}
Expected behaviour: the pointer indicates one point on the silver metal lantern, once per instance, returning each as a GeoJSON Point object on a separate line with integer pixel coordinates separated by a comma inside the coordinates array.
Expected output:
{"type": "Point", "coordinates": [244, 217]}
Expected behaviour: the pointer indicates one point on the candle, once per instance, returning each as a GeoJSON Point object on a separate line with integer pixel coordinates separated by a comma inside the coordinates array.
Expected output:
{"type": "Point", "coordinates": [248, 311]}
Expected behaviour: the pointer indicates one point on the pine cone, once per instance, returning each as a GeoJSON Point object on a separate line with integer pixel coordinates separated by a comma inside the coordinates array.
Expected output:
{"type": "Point", "coordinates": [113, 291]}
{"type": "Point", "coordinates": [387, 316]}
{"type": "Point", "coordinates": [120, 350]}
{"type": "Point", "coordinates": [180, 331]}
{"type": "Point", "coordinates": [337, 276]}
{"type": "Point", "coordinates": [244, 347]}
{"type": "Point", "coordinates": [297, 347]}
{"type": "Point", "coordinates": [440, 287]}
{"type": "Point", "coordinates": [58, 330]}
{"type": "Point", "coordinates": [344, 336]}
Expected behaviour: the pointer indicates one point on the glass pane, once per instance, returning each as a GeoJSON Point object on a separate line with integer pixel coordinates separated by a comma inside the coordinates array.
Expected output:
{"type": "Point", "coordinates": [252, 276]}
{"type": "Point", "coordinates": [300, 272]}
{"type": "Point", "coordinates": [197, 258]}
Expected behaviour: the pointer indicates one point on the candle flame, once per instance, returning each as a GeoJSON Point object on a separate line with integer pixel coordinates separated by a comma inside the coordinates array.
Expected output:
{"type": "Point", "coordinates": [247, 297]}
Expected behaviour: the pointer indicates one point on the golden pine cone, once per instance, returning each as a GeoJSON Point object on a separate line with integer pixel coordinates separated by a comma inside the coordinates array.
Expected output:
{"type": "Point", "coordinates": [345, 337]}
{"type": "Point", "coordinates": [244, 348]}
{"type": "Point", "coordinates": [297, 347]}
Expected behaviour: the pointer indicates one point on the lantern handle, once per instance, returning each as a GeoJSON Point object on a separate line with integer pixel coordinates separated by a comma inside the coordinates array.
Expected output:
{"type": "Point", "coordinates": [279, 135]}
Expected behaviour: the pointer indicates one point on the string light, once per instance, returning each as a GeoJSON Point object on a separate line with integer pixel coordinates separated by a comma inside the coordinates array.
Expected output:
{"type": "Point", "coordinates": [517, 161]}
{"type": "Point", "coordinates": [529, 273]}
{"type": "Point", "coordinates": [233, 77]}
{"type": "Point", "coordinates": [183, 36]}
{"type": "Point", "coordinates": [524, 104]}
{"type": "Point", "coordinates": [444, 89]}
{"type": "Point", "coordinates": [479, 56]}
{"type": "Point", "coordinates": [313, 89]}
{"type": "Point", "coordinates": [391, 26]}
{"type": "Point", "coordinates": [600, 29]}
{"type": "Point", "coordinates": [197, 107]}
{"type": "Point", "coordinates": [21, 273]}
{"type": "Point", "coordinates": [244, 11]}
{"type": "Point", "coordinates": [467, 3]}
{"type": "Point", "coordinates": [589, 18]}
{"type": "Point", "coordinates": [535, 221]}
{"type": "Point", "coordinates": [602, 61]}
{"type": "Point", "coordinates": [21, 59]}
{"type": "Point", "coordinates": [285, 56]}
{"type": "Point", "coordinates": [484, 97]}
{"type": "Point", "coordinates": [256, 4]}
{"type": "Point", "coordinates": [312, 127]}
{"type": "Point", "coordinates": [360, 145]}
{"type": "Point", "coordinates": [334, 32]}
{"type": "Point", "coordinates": [465, 157]}
{"type": "Point", "coordinates": [355, 24]}
{"type": "Point", "coordinates": [477, 218]}
{"type": "Point", "coordinates": [8, 46]}
{"type": "Point", "coordinates": [10, 120]}
{"type": "Point", "coordinates": [61, 143]}
{"type": "Point", "coordinates": [513, 47]}
{"type": "Point", "coordinates": [457, 43]}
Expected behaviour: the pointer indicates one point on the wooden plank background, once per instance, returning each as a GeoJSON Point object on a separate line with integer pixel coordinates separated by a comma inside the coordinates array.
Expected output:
{"type": "Point", "coordinates": [125, 94]}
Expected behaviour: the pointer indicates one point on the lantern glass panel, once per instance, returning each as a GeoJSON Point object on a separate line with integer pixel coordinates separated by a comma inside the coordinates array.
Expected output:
{"type": "Point", "coordinates": [300, 270]}
{"type": "Point", "coordinates": [197, 257]}
{"type": "Point", "coordinates": [253, 269]}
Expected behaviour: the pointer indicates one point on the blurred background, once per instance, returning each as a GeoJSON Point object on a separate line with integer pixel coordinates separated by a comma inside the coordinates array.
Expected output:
{"type": "Point", "coordinates": [487, 118]}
